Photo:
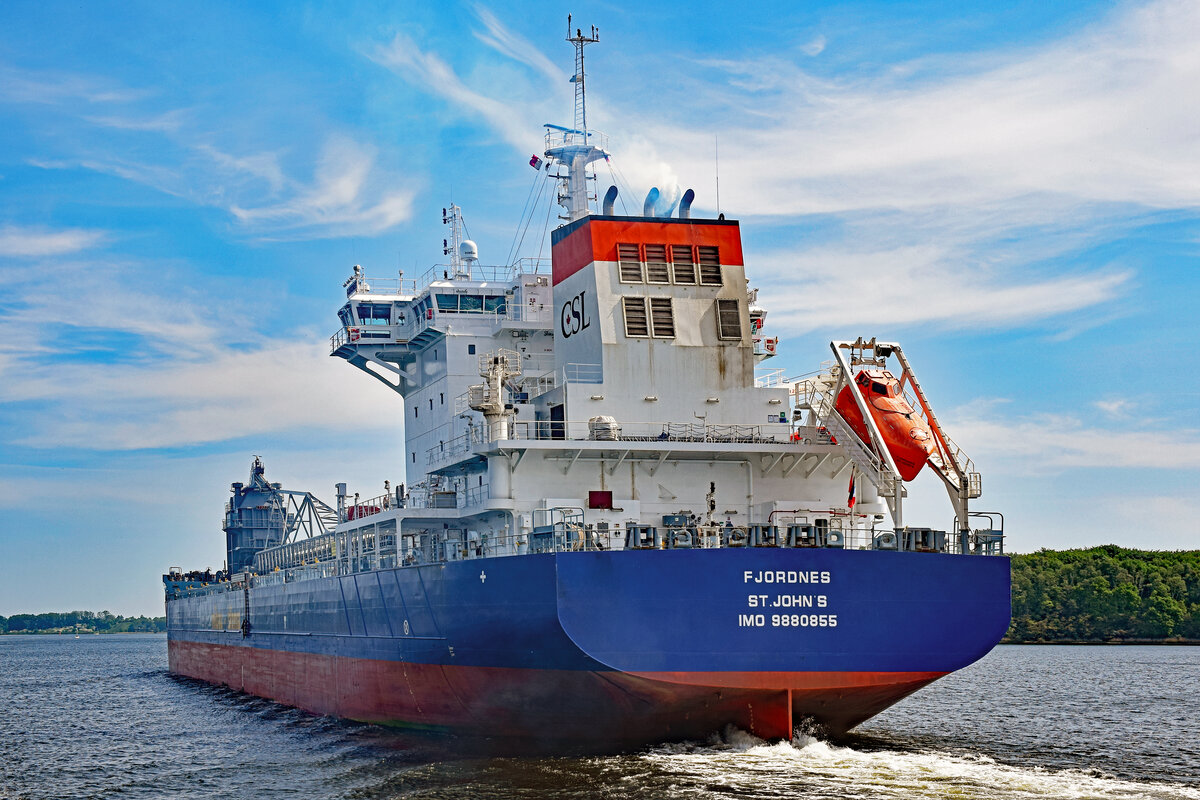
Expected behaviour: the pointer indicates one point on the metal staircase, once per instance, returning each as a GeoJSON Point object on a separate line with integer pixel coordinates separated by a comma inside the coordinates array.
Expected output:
{"type": "Point", "coordinates": [818, 396]}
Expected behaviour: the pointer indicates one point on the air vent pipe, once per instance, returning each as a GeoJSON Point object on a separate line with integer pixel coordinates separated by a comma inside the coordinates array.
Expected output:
{"type": "Point", "coordinates": [685, 205]}
{"type": "Point", "coordinates": [651, 200]}
{"type": "Point", "coordinates": [610, 198]}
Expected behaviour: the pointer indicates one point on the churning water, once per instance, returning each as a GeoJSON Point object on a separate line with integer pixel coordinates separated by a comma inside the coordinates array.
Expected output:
{"type": "Point", "coordinates": [98, 717]}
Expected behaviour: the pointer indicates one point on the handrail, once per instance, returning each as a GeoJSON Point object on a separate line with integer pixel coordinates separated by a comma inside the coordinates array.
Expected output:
{"type": "Point", "coordinates": [570, 533]}
{"type": "Point", "coordinates": [479, 273]}
{"type": "Point", "coordinates": [725, 433]}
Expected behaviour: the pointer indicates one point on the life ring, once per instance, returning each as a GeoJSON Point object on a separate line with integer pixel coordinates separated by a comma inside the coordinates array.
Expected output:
{"type": "Point", "coordinates": [354, 334]}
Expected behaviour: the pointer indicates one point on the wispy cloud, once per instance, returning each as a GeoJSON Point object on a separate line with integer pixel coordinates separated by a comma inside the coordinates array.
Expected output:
{"type": "Point", "coordinates": [404, 57]}
{"type": "Point", "coordinates": [1054, 442]}
{"type": "Point", "coordinates": [142, 367]}
{"type": "Point", "coordinates": [121, 301]}
{"type": "Point", "coordinates": [167, 122]}
{"type": "Point", "coordinates": [808, 290]}
{"type": "Point", "coordinates": [264, 166]}
{"type": "Point", "coordinates": [256, 390]}
{"type": "Point", "coordinates": [503, 40]}
{"type": "Point", "coordinates": [183, 152]}
{"type": "Point", "coordinates": [1115, 407]}
{"type": "Point", "coordinates": [1096, 117]}
{"type": "Point", "coordinates": [26, 242]}
{"type": "Point", "coordinates": [345, 197]}
{"type": "Point", "coordinates": [814, 46]}
{"type": "Point", "coordinates": [53, 87]}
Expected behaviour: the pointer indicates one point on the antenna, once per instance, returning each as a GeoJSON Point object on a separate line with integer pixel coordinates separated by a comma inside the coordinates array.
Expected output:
{"type": "Point", "coordinates": [717, 167]}
{"type": "Point", "coordinates": [579, 40]}
{"type": "Point", "coordinates": [454, 218]}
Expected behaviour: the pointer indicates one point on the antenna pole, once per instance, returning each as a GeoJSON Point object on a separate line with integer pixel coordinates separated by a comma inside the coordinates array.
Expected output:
{"type": "Point", "coordinates": [717, 167]}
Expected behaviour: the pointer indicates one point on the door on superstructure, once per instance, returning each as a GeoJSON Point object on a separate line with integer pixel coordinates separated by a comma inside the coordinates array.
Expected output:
{"type": "Point", "coordinates": [558, 422]}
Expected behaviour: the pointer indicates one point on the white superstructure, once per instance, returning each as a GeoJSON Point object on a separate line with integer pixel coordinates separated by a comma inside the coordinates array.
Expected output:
{"type": "Point", "coordinates": [613, 397]}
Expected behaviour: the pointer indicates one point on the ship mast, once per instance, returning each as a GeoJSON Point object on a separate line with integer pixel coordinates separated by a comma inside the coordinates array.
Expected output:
{"type": "Point", "coordinates": [574, 148]}
{"type": "Point", "coordinates": [453, 246]}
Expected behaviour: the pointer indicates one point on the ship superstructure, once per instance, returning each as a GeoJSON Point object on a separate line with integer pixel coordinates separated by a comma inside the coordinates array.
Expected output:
{"type": "Point", "coordinates": [616, 524]}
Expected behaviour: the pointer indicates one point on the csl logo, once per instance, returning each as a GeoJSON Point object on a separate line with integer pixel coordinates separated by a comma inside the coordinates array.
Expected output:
{"type": "Point", "coordinates": [573, 317]}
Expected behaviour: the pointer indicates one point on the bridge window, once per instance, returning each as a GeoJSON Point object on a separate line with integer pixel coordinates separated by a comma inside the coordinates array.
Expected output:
{"type": "Point", "coordinates": [630, 263]}
{"type": "Point", "coordinates": [635, 316]}
{"type": "Point", "coordinates": [373, 314]}
{"type": "Point", "coordinates": [683, 265]}
{"type": "Point", "coordinates": [447, 302]}
{"type": "Point", "coordinates": [729, 320]}
{"type": "Point", "coordinates": [710, 266]}
{"type": "Point", "coordinates": [657, 269]}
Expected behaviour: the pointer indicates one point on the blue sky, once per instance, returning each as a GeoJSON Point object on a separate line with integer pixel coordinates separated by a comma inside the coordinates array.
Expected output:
{"type": "Point", "coordinates": [1009, 190]}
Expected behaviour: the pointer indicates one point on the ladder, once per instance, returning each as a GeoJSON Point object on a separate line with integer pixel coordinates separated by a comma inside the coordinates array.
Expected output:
{"type": "Point", "coordinates": [819, 397]}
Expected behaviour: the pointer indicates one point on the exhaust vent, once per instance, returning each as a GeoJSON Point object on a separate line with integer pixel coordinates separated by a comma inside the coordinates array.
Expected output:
{"type": "Point", "coordinates": [610, 199]}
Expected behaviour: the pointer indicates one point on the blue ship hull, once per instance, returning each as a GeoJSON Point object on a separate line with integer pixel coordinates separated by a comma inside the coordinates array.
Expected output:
{"type": "Point", "coordinates": [621, 647]}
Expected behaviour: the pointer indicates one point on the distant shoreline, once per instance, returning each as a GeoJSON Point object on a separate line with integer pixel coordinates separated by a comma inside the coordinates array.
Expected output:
{"type": "Point", "coordinates": [1113, 643]}
{"type": "Point", "coordinates": [74, 633]}
{"type": "Point", "coordinates": [79, 623]}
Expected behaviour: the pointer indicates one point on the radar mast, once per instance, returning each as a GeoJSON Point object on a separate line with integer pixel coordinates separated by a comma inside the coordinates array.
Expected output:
{"type": "Point", "coordinates": [575, 148]}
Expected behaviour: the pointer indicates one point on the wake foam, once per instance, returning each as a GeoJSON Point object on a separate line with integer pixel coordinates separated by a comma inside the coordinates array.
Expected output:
{"type": "Point", "coordinates": [740, 762]}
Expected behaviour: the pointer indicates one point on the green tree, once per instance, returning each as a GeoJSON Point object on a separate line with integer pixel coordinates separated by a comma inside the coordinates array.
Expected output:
{"type": "Point", "coordinates": [1105, 593]}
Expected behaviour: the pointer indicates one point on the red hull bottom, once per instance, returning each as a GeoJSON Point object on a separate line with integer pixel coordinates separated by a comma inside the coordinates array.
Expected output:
{"type": "Point", "coordinates": [570, 707]}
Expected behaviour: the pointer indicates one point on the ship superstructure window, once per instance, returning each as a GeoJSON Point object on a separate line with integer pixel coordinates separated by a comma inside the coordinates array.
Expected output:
{"type": "Point", "coordinates": [729, 320]}
{"type": "Point", "coordinates": [657, 269]}
{"type": "Point", "coordinates": [710, 266]}
{"type": "Point", "coordinates": [662, 318]}
{"type": "Point", "coordinates": [473, 303]}
{"type": "Point", "coordinates": [373, 314]}
{"type": "Point", "coordinates": [636, 323]}
{"type": "Point", "coordinates": [630, 263]}
{"type": "Point", "coordinates": [683, 265]}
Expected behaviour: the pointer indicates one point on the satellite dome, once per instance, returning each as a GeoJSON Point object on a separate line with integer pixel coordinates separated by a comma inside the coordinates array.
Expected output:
{"type": "Point", "coordinates": [468, 251]}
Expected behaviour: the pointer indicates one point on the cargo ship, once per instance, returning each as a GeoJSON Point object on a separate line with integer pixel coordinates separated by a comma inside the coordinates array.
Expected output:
{"type": "Point", "coordinates": [618, 523]}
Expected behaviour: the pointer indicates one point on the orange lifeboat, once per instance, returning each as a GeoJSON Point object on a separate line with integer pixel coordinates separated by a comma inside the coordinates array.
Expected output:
{"type": "Point", "coordinates": [905, 432]}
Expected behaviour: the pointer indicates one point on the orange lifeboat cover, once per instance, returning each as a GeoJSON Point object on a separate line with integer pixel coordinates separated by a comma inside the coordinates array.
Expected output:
{"type": "Point", "coordinates": [905, 432]}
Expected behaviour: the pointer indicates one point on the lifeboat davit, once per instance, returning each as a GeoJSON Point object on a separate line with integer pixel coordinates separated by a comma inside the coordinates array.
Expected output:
{"type": "Point", "coordinates": [905, 432]}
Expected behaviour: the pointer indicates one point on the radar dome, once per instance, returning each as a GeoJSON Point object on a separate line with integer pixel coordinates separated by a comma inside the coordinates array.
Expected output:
{"type": "Point", "coordinates": [468, 251]}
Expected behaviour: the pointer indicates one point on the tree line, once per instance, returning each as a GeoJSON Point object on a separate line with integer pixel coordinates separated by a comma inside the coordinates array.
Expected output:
{"type": "Point", "coordinates": [81, 622]}
{"type": "Point", "coordinates": [1103, 594]}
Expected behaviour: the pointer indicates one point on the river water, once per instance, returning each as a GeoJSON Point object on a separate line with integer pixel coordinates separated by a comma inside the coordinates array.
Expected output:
{"type": "Point", "coordinates": [98, 717]}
